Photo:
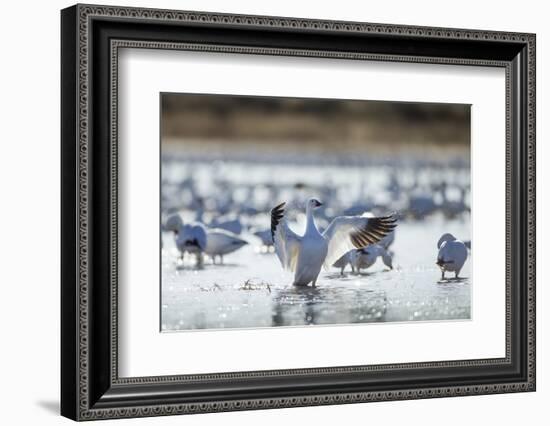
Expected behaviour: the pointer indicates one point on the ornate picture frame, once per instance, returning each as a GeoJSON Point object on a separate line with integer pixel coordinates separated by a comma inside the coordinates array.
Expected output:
{"type": "Point", "coordinates": [91, 37]}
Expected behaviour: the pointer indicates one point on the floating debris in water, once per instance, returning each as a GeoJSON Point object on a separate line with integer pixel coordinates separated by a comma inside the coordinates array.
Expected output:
{"type": "Point", "coordinates": [249, 285]}
{"type": "Point", "coordinates": [215, 287]}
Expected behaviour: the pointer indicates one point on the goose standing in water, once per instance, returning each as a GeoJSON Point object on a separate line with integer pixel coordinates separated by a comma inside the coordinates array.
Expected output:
{"type": "Point", "coordinates": [345, 260]}
{"type": "Point", "coordinates": [264, 235]}
{"type": "Point", "coordinates": [220, 242]}
{"type": "Point", "coordinates": [305, 255]}
{"type": "Point", "coordinates": [451, 256]}
{"type": "Point", "coordinates": [195, 238]}
{"type": "Point", "coordinates": [189, 238]}
{"type": "Point", "coordinates": [365, 257]}
{"type": "Point", "coordinates": [192, 238]}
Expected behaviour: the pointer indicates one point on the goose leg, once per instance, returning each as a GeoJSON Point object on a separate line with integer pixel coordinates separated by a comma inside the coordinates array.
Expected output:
{"type": "Point", "coordinates": [342, 271]}
{"type": "Point", "coordinates": [442, 274]}
{"type": "Point", "coordinates": [221, 259]}
{"type": "Point", "coordinates": [199, 260]}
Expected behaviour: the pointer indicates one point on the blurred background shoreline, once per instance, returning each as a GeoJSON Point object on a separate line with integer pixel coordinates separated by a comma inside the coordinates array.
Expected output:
{"type": "Point", "coordinates": [321, 122]}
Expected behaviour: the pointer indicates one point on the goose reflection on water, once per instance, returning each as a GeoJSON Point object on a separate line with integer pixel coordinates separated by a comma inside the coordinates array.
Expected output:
{"type": "Point", "coordinates": [295, 306]}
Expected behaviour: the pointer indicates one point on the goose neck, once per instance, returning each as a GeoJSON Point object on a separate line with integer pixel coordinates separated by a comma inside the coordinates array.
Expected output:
{"type": "Point", "coordinates": [310, 221]}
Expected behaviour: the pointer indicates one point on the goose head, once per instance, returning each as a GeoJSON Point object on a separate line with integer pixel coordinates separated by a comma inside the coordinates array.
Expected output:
{"type": "Point", "coordinates": [173, 223]}
{"type": "Point", "coordinates": [444, 238]}
{"type": "Point", "coordinates": [313, 203]}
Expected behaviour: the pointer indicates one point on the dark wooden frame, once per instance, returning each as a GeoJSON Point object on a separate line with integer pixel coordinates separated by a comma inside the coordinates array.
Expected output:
{"type": "Point", "coordinates": [90, 38]}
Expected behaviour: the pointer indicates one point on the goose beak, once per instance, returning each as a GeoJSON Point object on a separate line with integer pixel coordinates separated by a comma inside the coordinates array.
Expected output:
{"type": "Point", "coordinates": [318, 203]}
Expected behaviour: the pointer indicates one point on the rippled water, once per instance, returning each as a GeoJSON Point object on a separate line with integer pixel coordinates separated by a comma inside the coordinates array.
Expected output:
{"type": "Point", "coordinates": [252, 290]}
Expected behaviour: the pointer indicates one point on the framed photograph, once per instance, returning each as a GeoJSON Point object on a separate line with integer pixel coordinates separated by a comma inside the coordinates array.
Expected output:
{"type": "Point", "coordinates": [263, 212]}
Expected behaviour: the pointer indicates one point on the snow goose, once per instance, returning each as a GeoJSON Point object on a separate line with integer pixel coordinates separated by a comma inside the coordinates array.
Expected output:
{"type": "Point", "coordinates": [451, 256]}
{"type": "Point", "coordinates": [264, 235]}
{"type": "Point", "coordinates": [345, 260]}
{"type": "Point", "coordinates": [189, 238]}
{"type": "Point", "coordinates": [220, 242]}
{"type": "Point", "coordinates": [365, 257]}
{"type": "Point", "coordinates": [421, 205]}
{"type": "Point", "coordinates": [305, 255]}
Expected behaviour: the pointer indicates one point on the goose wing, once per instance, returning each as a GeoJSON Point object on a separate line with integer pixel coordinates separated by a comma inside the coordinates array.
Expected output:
{"type": "Point", "coordinates": [195, 233]}
{"type": "Point", "coordinates": [285, 241]}
{"type": "Point", "coordinates": [220, 241]}
{"type": "Point", "coordinates": [348, 232]}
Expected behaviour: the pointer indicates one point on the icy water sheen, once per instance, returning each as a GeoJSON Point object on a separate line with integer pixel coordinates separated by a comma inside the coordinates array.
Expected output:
{"type": "Point", "coordinates": [252, 290]}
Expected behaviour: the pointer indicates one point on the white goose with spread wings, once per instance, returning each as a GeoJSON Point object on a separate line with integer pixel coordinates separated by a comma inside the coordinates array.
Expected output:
{"type": "Point", "coordinates": [305, 255]}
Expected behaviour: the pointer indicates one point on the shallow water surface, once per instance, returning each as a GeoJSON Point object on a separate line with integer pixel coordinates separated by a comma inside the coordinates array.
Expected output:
{"type": "Point", "coordinates": [252, 290]}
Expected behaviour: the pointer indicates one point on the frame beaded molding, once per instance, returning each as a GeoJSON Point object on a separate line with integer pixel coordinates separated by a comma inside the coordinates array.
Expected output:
{"type": "Point", "coordinates": [287, 402]}
{"type": "Point", "coordinates": [87, 12]}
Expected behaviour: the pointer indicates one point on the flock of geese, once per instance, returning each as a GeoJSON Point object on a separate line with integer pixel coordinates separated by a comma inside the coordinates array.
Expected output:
{"type": "Point", "coordinates": [355, 240]}
{"type": "Point", "coordinates": [223, 204]}
{"type": "Point", "coordinates": [197, 239]}
{"type": "Point", "coordinates": [415, 191]}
